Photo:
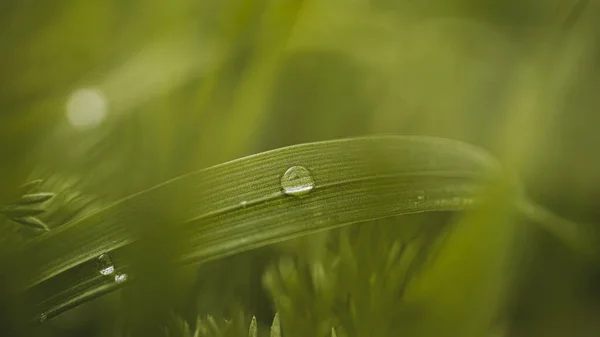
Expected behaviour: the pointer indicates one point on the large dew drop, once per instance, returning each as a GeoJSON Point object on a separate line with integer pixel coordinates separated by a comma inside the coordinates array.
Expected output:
{"type": "Point", "coordinates": [105, 265]}
{"type": "Point", "coordinates": [297, 181]}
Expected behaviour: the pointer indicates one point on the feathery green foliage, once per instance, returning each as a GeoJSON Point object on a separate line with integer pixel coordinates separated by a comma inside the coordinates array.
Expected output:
{"type": "Point", "coordinates": [28, 206]}
{"type": "Point", "coordinates": [210, 327]}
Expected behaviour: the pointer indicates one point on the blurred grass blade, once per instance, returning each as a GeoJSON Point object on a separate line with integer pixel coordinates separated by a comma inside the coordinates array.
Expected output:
{"type": "Point", "coordinates": [36, 198]}
{"type": "Point", "coordinates": [25, 210]}
{"type": "Point", "coordinates": [253, 330]}
{"type": "Point", "coordinates": [239, 205]}
{"type": "Point", "coordinates": [275, 327]}
{"type": "Point", "coordinates": [32, 221]}
{"type": "Point", "coordinates": [575, 13]}
{"type": "Point", "coordinates": [21, 211]}
{"type": "Point", "coordinates": [575, 236]}
{"type": "Point", "coordinates": [30, 186]}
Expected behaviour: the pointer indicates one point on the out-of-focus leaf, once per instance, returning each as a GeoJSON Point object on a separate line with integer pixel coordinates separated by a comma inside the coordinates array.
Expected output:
{"type": "Point", "coordinates": [21, 211]}
{"type": "Point", "coordinates": [211, 327]}
{"type": "Point", "coordinates": [72, 198]}
{"type": "Point", "coordinates": [36, 198]}
{"type": "Point", "coordinates": [30, 186]}
{"type": "Point", "coordinates": [32, 221]}
{"type": "Point", "coordinates": [358, 283]}
{"type": "Point", "coordinates": [275, 327]}
{"type": "Point", "coordinates": [253, 329]}
{"type": "Point", "coordinates": [26, 209]}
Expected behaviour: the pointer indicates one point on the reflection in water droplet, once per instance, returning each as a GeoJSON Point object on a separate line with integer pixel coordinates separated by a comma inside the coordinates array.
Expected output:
{"type": "Point", "coordinates": [244, 203]}
{"type": "Point", "coordinates": [105, 265]}
{"type": "Point", "coordinates": [42, 318]}
{"type": "Point", "coordinates": [297, 181]}
{"type": "Point", "coordinates": [120, 278]}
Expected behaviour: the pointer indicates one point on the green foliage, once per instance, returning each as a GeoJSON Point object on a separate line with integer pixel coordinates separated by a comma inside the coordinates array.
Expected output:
{"type": "Point", "coordinates": [210, 327]}
{"type": "Point", "coordinates": [28, 206]}
{"type": "Point", "coordinates": [167, 167]}
{"type": "Point", "coordinates": [358, 280]}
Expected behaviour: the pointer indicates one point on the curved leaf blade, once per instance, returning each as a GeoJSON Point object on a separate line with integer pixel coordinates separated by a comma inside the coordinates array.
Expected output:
{"type": "Point", "coordinates": [35, 198]}
{"type": "Point", "coordinates": [31, 186]}
{"type": "Point", "coordinates": [32, 222]}
{"type": "Point", "coordinates": [239, 205]}
{"type": "Point", "coordinates": [13, 212]}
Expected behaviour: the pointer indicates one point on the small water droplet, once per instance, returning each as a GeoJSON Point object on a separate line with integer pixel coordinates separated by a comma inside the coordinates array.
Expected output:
{"type": "Point", "coordinates": [120, 278]}
{"type": "Point", "coordinates": [244, 203]}
{"type": "Point", "coordinates": [105, 265]}
{"type": "Point", "coordinates": [420, 198]}
{"type": "Point", "coordinates": [297, 181]}
{"type": "Point", "coordinates": [43, 317]}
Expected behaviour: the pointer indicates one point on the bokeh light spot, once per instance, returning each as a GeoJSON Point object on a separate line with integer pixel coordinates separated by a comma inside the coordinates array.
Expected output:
{"type": "Point", "coordinates": [86, 108]}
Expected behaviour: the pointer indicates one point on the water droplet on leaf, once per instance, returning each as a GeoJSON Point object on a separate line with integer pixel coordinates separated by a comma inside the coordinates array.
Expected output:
{"type": "Point", "coordinates": [105, 265]}
{"type": "Point", "coordinates": [297, 181]}
{"type": "Point", "coordinates": [120, 278]}
{"type": "Point", "coordinates": [42, 318]}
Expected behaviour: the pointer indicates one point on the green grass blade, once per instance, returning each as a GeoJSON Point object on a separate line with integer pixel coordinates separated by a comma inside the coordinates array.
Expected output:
{"type": "Point", "coordinates": [35, 198]}
{"type": "Point", "coordinates": [239, 205]}
{"type": "Point", "coordinates": [275, 327]}
{"type": "Point", "coordinates": [253, 330]}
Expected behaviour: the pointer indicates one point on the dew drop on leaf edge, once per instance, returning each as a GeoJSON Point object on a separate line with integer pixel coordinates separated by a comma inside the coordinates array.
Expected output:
{"type": "Point", "coordinates": [297, 181]}
{"type": "Point", "coordinates": [120, 278]}
{"type": "Point", "coordinates": [105, 265]}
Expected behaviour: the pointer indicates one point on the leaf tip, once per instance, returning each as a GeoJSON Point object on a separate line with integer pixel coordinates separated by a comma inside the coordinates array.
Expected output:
{"type": "Point", "coordinates": [253, 330]}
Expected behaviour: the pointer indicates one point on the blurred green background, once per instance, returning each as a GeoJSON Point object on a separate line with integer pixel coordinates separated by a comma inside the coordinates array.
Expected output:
{"type": "Point", "coordinates": [103, 98]}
